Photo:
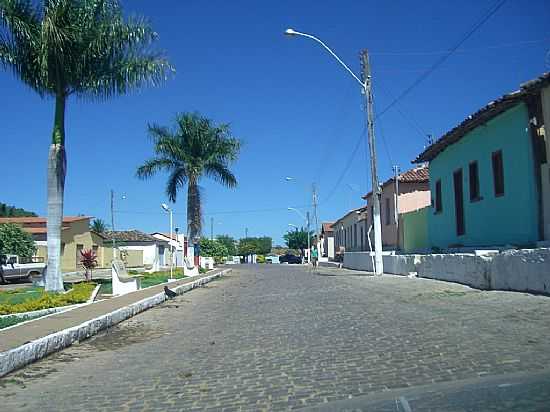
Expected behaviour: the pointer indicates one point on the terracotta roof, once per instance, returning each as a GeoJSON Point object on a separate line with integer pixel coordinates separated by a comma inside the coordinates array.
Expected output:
{"type": "Point", "coordinates": [40, 230]}
{"type": "Point", "coordinates": [483, 115]}
{"type": "Point", "coordinates": [327, 227]}
{"type": "Point", "coordinates": [129, 236]}
{"type": "Point", "coordinates": [419, 174]}
{"type": "Point", "coordinates": [22, 220]}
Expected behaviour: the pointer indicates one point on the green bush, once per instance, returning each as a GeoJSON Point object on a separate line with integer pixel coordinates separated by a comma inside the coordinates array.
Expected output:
{"type": "Point", "coordinates": [260, 259]}
{"type": "Point", "coordinates": [80, 293]}
{"type": "Point", "coordinates": [15, 241]}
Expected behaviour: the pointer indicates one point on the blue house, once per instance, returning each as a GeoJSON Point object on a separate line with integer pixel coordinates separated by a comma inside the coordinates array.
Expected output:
{"type": "Point", "coordinates": [490, 177]}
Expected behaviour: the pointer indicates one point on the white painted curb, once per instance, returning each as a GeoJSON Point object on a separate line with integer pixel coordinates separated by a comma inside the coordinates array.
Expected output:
{"type": "Point", "coordinates": [32, 351]}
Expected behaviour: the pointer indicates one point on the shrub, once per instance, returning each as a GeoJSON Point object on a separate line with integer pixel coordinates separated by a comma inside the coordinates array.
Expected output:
{"type": "Point", "coordinates": [260, 259]}
{"type": "Point", "coordinates": [80, 293]}
{"type": "Point", "coordinates": [88, 259]}
{"type": "Point", "coordinates": [15, 241]}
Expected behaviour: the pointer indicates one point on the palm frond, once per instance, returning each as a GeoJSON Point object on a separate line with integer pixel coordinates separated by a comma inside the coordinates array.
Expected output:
{"type": "Point", "coordinates": [221, 174]}
{"type": "Point", "coordinates": [152, 166]}
{"type": "Point", "coordinates": [177, 179]}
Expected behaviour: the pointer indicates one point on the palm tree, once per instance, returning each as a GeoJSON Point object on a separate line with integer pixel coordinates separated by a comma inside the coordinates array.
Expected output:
{"type": "Point", "coordinates": [98, 226]}
{"type": "Point", "coordinates": [83, 48]}
{"type": "Point", "coordinates": [193, 149]}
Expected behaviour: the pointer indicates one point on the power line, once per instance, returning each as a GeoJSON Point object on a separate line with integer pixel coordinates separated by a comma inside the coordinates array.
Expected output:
{"type": "Point", "coordinates": [474, 49]}
{"type": "Point", "coordinates": [441, 60]}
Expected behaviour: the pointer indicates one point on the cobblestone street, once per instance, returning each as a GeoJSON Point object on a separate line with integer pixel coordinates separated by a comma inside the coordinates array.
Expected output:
{"type": "Point", "coordinates": [282, 337]}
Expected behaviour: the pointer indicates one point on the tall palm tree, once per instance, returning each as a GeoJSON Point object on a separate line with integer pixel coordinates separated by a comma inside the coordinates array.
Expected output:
{"type": "Point", "coordinates": [83, 48]}
{"type": "Point", "coordinates": [194, 148]}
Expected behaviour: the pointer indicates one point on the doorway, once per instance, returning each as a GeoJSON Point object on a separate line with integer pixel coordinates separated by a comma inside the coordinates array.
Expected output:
{"type": "Point", "coordinates": [459, 202]}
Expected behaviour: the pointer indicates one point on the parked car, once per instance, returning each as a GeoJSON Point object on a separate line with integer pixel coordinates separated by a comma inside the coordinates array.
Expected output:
{"type": "Point", "coordinates": [291, 259]}
{"type": "Point", "coordinates": [12, 267]}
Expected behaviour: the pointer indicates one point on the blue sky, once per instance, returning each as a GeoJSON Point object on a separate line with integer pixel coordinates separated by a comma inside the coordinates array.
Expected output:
{"type": "Point", "coordinates": [298, 113]}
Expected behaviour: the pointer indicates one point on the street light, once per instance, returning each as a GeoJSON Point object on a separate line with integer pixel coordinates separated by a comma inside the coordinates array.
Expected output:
{"type": "Point", "coordinates": [307, 226]}
{"type": "Point", "coordinates": [366, 87]}
{"type": "Point", "coordinates": [169, 210]}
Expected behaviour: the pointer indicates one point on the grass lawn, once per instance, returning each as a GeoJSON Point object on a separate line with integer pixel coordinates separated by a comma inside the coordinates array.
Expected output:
{"type": "Point", "coordinates": [20, 295]}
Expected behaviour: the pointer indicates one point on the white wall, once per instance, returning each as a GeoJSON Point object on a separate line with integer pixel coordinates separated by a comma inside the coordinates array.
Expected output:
{"type": "Point", "coordinates": [150, 253]}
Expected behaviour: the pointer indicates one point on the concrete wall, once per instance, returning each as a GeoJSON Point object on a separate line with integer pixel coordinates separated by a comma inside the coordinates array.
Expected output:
{"type": "Point", "coordinates": [491, 221]}
{"type": "Point", "coordinates": [526, 270]}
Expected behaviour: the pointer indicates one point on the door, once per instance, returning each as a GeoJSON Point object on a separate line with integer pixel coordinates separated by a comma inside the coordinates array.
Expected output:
{"type": "Point", "coordinates": [459, 202]}
{"type": "Point", "coordinates": [161, 255]}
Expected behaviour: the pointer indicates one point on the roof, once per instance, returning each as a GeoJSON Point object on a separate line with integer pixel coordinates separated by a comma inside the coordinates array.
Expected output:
{"type": "Point", "coordinates": [166, 235]}
{"type": "Point", "coordinates": [129, 236]}
{"type": "Point", "coordinates": [23, 220]}
{"type": "Point", "coordinates": [486, 113]}
{"type": "Point", "coordinates": [327, 227]}
{"type": "Point", "coordinates": [359, 209]}
{"type": "Point", "coordinates": [419, 174]}
{"type": "Point", "coordinates": [40, 230]}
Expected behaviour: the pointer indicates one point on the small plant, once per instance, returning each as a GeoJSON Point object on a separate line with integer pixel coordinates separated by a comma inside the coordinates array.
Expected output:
{"type": "Point", "coordinates": [88, 259]}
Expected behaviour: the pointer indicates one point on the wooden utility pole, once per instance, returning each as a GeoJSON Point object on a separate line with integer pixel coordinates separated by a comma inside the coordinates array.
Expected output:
{"type": "Point", "coordinates": [367, 81]}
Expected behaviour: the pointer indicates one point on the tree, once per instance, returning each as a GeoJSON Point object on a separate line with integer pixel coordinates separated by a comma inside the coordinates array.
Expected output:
{"type": "Point", "coordinates": [83, 48]}
{"type": "Point", "coordinates": [297, 239]}
{"type": "Point", "coordinates": [229, 243]}
{"type": "Point", "coordinates": [193, 149]}
{"type": "Point", "coordinates": [212, 248]}
{"type": "Point", "coordinates": [12, 211]}
{"type": "Point", "coordinates": [15, 241]}
{"type": "Point", "coordinates": [98, 226]}
{"type": "Point", "coordinates": [255, 246]}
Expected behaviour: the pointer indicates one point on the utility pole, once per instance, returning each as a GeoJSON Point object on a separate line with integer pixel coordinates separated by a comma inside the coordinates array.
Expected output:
{"type": "Point", "coordinates": [113, 221]}
{"type": "Point", "coordinates": [314, 192]}
{"type": "Point", "coordinates": [211, 228]}
{"type": "Point", "coordinates": [367, 81]}
{"type": "Point", "coordinates": [308, 239]}
{"type": "Point", "coordinates": [396, 201]}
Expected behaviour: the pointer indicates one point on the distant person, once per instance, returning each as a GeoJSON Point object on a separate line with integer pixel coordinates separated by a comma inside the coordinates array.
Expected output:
{"type": "Point", "coordinates": [3, 261]}
{"type": "Point", "coordinates": [314, 256]}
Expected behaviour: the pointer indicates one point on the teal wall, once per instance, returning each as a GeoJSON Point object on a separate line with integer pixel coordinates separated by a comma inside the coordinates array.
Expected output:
{"type": "Point", "coordinates": [509, 219]}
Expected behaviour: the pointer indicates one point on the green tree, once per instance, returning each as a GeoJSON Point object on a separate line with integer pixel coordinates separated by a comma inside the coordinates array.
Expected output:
{"type": "Point", "coordinates": [15, 241]}
{"type": "Point", "coordinates": [83, 48]}
{"type": "Point", "coordinates": [12, 211]}
{"type": "Point", "coordinates": [212, 248]}
{"type": "Point", "coordinates": [255, 246]}
{"type": "Point", "coordinates": [193, 149]}
{"type": "Point", "coordinates": [98, 226]}
{"type": "Point", "coordinates": [229, 243]}
{"type": "Point", "coordinates": [297, 239]}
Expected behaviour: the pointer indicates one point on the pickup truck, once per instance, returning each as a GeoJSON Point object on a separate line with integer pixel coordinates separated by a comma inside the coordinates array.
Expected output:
{"type": "Point", "coordinates": [11, 268]}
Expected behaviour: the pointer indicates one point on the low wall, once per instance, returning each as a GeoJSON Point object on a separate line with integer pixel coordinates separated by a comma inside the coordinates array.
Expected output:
{"type": "Point", "coordinates": [463, 268]}
{"type": "Point", "coordinates": [525, 270]}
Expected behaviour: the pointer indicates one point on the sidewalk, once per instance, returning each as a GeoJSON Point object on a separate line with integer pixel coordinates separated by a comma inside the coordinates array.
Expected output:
{"type": "Point", "coordinates": [115, 309]}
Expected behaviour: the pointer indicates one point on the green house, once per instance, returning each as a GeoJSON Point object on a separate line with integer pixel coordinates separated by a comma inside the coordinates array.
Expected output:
{"type": "Point", "coordinates": [490, 177]}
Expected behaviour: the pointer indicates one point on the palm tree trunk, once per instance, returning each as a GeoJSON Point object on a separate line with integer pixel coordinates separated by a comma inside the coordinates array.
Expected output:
{"type": "Point", "coordinates": [194, 214]}
{"type": "Point", "coordinates": [57, 163]}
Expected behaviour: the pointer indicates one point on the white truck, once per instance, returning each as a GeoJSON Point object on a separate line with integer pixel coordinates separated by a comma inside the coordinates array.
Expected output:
{"type": "Point", "coordinates": [12, 267]}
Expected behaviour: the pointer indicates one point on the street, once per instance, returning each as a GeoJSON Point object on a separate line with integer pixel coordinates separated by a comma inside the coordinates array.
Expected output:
{"type": "Point", "coordinates": [278, 337]}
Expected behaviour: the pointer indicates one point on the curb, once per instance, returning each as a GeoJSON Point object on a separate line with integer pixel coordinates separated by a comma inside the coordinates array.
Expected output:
{"type": "Point", "coordinates": [32, 351]}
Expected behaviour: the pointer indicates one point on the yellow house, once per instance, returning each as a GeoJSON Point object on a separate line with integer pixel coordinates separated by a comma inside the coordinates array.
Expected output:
{"type": "Point", "coordinates": [75, 237]}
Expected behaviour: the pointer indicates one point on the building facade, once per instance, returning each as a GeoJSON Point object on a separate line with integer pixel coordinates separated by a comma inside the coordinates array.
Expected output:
{"type": "Point", "coordinates": [413, 194]}
{"type": "Point", "coordinates": [350, 232]}
{"type": "Point", "coordinates": [76, 236]}
{"type": "Point", "coordinates": [489, 176]}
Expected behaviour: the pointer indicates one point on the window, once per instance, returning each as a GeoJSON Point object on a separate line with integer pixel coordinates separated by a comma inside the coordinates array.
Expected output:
{"type": "Point", "coordinates": [387, 211]}
{"type": "Point", "coordinates": [474, 182]}
{"type": "Point", "coordinates": [438, 203]}
{"type": "Point", "coordinates": [498, 173]}
{"type": "Point", "coordinates": [362, 235]}
{"type": "Point", "coordinates": [355, 235]}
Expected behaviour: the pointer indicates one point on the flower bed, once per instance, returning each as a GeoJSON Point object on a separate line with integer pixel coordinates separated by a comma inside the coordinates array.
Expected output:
{"type": "Point", "coordinates": [80, 293]}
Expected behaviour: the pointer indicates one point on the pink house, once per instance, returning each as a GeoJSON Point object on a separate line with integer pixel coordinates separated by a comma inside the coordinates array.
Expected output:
{"type": "Point", "coordinates": [414, 194]}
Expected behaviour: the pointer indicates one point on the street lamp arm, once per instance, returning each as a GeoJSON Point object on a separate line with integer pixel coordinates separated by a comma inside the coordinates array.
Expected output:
{"type": "Point", "coordinates": [297, 211]}
{"type": "Point", "coordinates": [310, 36]}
